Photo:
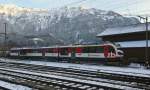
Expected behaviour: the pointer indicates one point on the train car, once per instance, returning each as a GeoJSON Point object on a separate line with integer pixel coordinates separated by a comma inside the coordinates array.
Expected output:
{"type": "Point", "coordinates": [76, 53]}
{"type": "Point", "coordinates": [14, 52]}
{"type": "Point", "coordinates": [99, 53]}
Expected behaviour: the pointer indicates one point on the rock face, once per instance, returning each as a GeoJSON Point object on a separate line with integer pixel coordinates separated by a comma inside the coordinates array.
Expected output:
{"type": "Point", "coordinates": [29, 27]}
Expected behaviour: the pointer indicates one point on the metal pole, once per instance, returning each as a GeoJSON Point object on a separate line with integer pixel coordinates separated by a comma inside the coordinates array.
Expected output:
{"type": "Point", "coordinates": [146, 48]}
{"type": "Point", "coordinates": [147, 62]}
{"type": "Point", "coordinates": [5, 42]}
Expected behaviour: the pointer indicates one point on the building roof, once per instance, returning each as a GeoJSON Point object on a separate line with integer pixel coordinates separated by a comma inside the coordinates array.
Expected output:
{"type": "Point", "coordinates": [124, 29]}
{"type": "Point", "coordinates": [131, 44]}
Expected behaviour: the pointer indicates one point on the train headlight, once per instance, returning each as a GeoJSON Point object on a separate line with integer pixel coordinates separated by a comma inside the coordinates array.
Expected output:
{"type": "Point", "coordinates": [120, 53]}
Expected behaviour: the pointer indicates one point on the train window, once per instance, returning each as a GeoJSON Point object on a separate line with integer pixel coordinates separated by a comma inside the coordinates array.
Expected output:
{"type": "Point", "coordinates": [39, 50]}
{"type": "Point", "coordinates": [55, 50]}
{"type": "Point", "coordinates": [64, 51]}
{"type": "Point", "coordinates": [29, 50]}
{"type": "Point", "coordinates": [36, 51]}
{"type": "Point", "coordinates": [22, 52]}
{"type": "Point", "coordinates": [49, 50]}
{"type": "Point", "coordinates": [99, 49]}
{"type": "Point", "coordinates": [45, 50]}
{"type": "Point", "coordinates": [95, 49]}
{"type": "Point", "coordinates": [92, 49]}
{"type": "Point", "coordinates": [14, 51]}
{"type": "Point", "coordinates": [85, 49]}
{"type": "Point", "coordinates": [69, 50]}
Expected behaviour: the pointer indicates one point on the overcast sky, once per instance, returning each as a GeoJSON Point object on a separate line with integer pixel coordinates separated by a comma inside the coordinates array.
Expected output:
{"type": "Point", "coordinates": [121, 6]}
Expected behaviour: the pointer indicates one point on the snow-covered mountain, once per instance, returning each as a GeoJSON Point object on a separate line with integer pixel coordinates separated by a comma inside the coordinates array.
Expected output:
{"type": "Point", "coordinates": [11, 9]}
{"type": "Point", "coordinates": [63, 25]}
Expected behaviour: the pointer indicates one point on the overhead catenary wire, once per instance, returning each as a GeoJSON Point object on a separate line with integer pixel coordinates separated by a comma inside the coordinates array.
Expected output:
{"type": "Point", "coordinates": [76, 2]}
{"type": "Point", "coordinates": [129, 9]}
{"type": "Point", "coordinates": [142, 11]}
{"type": "Point", "coordinates": [114, 6]}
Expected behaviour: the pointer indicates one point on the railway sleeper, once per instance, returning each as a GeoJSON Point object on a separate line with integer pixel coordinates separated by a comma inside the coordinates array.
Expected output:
{"type": "Point", "coordinates": [69, 86]}
{"type": "Point", "coordinates": [108, 75]}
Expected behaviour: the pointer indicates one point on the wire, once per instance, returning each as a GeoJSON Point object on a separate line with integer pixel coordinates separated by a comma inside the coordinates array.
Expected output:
{"type": "Point", "coordinates": [113, 5]}
{"type": "Point", "coordinates": [127, 6]}
{"type": "Point", "coordinates": [116, 4]}
{"type": "Point", "coordinates": [141, 11]}
{"type": "Point", "coordinates": [73, 3]}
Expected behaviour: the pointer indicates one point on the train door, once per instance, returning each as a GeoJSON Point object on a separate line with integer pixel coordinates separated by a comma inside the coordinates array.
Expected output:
{"type": "Point", "coordinates": [64, 54]}
{"type": "Point", "coordinates": [73, 54]}
{"type": "Point", "coordinates": [109, 52]}
{"type": "Point", "coordinates": [58, 54]}
{"type": "Point", "coordinates": [106, 51]}
{"type": "Point", "coordinates": [22, 52]}
{"type": "Point", "coordinates": [43, 51]}
{"type": "Point", "coordinates": [112, 52]}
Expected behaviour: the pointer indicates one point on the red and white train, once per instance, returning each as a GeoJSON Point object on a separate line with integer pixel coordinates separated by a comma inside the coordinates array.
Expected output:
{"type": "Point", "coordinates": [75, 53]}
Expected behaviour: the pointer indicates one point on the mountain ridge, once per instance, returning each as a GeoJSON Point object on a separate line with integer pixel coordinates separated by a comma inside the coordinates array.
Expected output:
{"type": "Point", "coordinates": [64, 25]}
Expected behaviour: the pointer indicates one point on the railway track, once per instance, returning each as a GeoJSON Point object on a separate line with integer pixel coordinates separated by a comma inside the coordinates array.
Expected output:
{"type": "Point", "coordinates": [44, 82]}
{"type": "Point", "coordinates": [3, 88]}
{"type": "Point", "coordinates": [72, 78]}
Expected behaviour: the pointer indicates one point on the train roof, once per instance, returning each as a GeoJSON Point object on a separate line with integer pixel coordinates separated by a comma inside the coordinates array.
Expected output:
{"type": "Point", "coordinates": [62, 46]}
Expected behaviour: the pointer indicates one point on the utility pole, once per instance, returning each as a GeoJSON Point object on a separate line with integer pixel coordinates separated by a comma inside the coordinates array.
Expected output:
{"type": "Point", "coordinates": [5, 41]}
{"type": "Point", "coordinates": [146, 49]}
{"type": "Point", "coordinates": [147, 62]}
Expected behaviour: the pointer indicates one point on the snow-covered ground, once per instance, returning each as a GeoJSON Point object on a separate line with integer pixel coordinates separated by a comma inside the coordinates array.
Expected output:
{"type": "Point", "coordinates": [76, 80]}
{"type": "Point", "coordinates": [109, 69]}
{"type": "Point", "coordinates": [13, 86]}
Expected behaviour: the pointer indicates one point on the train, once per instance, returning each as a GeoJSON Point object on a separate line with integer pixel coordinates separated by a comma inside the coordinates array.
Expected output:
{"type": "Point", "coordinates": [103, 53]}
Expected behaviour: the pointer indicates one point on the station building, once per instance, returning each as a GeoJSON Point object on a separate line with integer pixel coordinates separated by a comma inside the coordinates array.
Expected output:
{"type": "Point", "coordinates": [131, 39]}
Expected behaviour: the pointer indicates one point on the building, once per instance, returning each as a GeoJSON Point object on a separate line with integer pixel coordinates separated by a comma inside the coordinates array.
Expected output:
{"type": "Point", "coordinates": [132, 40]}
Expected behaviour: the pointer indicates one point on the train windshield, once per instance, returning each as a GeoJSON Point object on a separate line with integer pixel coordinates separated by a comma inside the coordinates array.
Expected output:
{"type": "Point", "coordinates": [121, 53]}
{"type": "Point", "coordinates": [111, 49]}
{"type": "Point", "coordinates": [14, 51]}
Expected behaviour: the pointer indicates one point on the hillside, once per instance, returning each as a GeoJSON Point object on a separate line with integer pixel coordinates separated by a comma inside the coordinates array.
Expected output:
{"type": "Point", "coordinates": [29, 27]}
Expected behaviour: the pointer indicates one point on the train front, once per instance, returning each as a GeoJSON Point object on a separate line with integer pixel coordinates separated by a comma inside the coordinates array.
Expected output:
{"type": "Point", "coordinates": [113, 54]}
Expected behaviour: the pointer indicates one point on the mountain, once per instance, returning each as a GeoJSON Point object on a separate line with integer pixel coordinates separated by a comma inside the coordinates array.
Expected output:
{"type": "Point", "coordinates": [28, 26]}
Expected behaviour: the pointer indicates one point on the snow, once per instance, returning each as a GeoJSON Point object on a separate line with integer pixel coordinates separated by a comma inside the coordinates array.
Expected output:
{"type": "Point", "coordinates": [136, 65]}
{"type": "Point", "coordinates": [128, 44]}
{"type": "Point", "coordinates": [13, 86]}
{"type": "Point", "coordinates": [108, 69]}
{"type": "Point", "coordinates": [74, 79]}
{"type": "Point", "coordinates": [123, 30]}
